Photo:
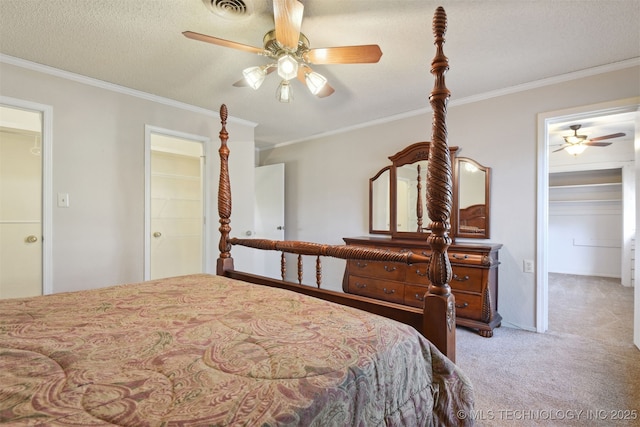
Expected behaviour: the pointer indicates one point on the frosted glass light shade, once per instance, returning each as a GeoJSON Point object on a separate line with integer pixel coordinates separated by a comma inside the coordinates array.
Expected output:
{"type": "Point", "coordinates": [284, 93]}
{"type": "Point", "coordinates": [315, 82]}
{"type": "Point", "coordinates": [287, 67]}
{"type": "Point", "coordinates": [575, 149]}
{"type": "Point", "coordinates": [254, 76]}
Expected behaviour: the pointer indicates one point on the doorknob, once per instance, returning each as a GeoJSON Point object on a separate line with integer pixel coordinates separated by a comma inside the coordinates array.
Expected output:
{"type": "Point", "coordinates": [31, 239]}
{"type": "Point", "coordinates": [157, 234]}
{"type": "Point", "coordinates": [280, 227]}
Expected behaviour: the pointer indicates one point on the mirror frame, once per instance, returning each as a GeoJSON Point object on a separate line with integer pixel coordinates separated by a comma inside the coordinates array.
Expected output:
{"type": "Point", "coordinates": [372, 181]}
{"type": "Point", "coordinates": [413, 153]}
{"type": "Point", "coordinates": [487, 206]}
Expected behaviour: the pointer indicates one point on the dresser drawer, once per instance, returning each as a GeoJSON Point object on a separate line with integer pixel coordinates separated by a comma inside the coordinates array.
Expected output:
{"type": "Point", "coordinates": [380, 289]}
{"type": "Point", "coordinates": [468, 305]}
{"type": "Point", "coordinates": [417, 273]}
{"type": "Point", "coordinates": [467, 279]}
{"type": "Point", "coordinates": [414, 295]}
{"type": "Point", "coordinates": [465, 258]}
{"type": "Point", "coordinates": [378, 269]}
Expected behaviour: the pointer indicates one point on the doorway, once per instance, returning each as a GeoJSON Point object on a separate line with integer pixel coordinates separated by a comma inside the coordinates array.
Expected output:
{"type": "Point", "coordinates": [176, 204]}
{"type": "Point", "coordinates": [25, 209]}
{"type": "Point", "coordinates": [269, 217]}
{"type": "Point", "coordinates": [545, 122]}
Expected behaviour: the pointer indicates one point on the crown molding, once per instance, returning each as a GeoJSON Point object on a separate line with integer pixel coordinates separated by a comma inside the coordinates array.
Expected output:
{"type": "Point", "coordinates": [45, 69]}
{"type": "Point", "coordinates": [483, 97]}
{"type": "Point", "coordinates": [633, 62]}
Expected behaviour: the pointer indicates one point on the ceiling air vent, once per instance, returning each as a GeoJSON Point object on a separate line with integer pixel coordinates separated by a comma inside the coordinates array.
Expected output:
{"type": "Point", "coordinates": [230, 9]}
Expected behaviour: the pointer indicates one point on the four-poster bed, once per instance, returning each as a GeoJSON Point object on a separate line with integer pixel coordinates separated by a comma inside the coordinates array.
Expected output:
{"type": "Point", "coordinates": [436, 321]}
{"type": "Point", "coordinates": [223, 350]}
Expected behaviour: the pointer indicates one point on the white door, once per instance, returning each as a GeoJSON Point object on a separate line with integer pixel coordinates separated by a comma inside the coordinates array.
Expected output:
{"type": "Point", "coordinates": [20, 203]}
{"type": "Point", "coordinates": [269, 216]}
{"type": "Point", "coordinates": [176, 206]}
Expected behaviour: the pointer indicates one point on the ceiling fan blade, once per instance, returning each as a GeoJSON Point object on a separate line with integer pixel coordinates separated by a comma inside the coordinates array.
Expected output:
{"type": "Point", "coordinates": [223, 42]}
{"type": "Point", "coordinates": [287, 15]}
{"type": "Point", "coordinates": [363, 54]}
{"type": "Point", "coordinates": [613, 135]}
{"type": "Point", "coordinates": [559, 149]}
{"type": "Point", "coordinates": [596, 144]}
{"type": "Point", "coordinates": [325, 91]}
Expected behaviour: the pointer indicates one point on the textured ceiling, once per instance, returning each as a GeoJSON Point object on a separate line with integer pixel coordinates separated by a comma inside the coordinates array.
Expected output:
{"type": "Point", "coordinates": [492, 45]}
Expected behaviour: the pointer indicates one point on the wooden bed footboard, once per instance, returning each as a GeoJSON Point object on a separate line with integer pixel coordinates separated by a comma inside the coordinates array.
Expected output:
{"type": "Point", "coordinates": [437, 321]}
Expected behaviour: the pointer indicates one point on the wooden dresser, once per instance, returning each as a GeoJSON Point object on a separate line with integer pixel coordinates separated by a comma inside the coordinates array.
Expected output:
{"type": "Point", "coordinates": [474, 283]}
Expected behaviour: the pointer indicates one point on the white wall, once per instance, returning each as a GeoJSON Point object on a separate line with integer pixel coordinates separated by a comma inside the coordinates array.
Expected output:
{"type": "Point", "coordinates": [98, 158]}
{"type": "Point", "coordinates": [327, 178]}
{"type": "Point", "coordinates": [585, 238]}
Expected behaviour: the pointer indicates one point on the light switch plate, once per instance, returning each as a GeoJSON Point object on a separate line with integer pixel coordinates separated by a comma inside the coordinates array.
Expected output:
{"type": "Point", "coordinates": [63, 200]}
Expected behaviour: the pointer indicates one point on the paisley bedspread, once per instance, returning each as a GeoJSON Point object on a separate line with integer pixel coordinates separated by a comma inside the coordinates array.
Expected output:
{"type": "Point", "coordinates": [207, 350]}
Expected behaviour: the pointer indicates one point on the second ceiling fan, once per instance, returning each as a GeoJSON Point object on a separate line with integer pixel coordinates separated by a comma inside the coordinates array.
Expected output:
{"type": "Point", "coordinates": [576, 144]}
{"type": "Point", "coordinates": [290, 50]}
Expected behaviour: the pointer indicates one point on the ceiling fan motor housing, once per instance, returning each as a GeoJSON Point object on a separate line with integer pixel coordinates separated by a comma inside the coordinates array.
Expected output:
{"type": "Point", "coordinates": [275, 49]}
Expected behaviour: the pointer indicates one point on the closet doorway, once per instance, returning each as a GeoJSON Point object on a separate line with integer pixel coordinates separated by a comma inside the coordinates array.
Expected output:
{"type": "Point", "coordinates": [176, 205]}
{"type": "Point", "coordinates": [25, 209]}
{"type": "Point", "coordinates": [601, 183]}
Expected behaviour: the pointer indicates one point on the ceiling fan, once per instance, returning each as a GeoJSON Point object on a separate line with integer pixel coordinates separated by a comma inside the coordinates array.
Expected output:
{"type": "Point", "coordinates": [290, 51]}
{"type": "Point", "coordinates": [576, 144]}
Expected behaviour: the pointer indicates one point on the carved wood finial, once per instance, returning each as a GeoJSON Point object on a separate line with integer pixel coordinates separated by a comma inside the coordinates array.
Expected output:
{"type": "Point", "coordinates": [439, 301]}
{"type": "Point", "coordinates": [224, 188]}
{"type": "Point", "coordinates": [439, 172]}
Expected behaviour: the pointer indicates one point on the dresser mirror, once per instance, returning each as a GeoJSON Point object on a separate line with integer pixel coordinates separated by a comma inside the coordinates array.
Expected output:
{"type": "Point", "coordinates": [397, 196]}
{"type": "Point", "coordinates": [472, 188]}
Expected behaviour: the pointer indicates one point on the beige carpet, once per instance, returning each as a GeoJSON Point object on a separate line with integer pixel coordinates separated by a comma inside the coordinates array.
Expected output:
{"type": "Point", "coordinates": [585, 371]}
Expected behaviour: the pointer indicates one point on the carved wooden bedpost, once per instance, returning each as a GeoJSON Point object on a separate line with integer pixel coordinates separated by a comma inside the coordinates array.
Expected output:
{"type": "Point", "coordinates": [439, 302]}
{"type": "Point", "coordinates": [225, 262]}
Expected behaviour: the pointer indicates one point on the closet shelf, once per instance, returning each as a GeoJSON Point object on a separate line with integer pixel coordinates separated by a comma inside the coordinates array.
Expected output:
{"type": "Point", "coordinates": [616, 185]}
{"type": "Point", "coordinates": [598, 201]}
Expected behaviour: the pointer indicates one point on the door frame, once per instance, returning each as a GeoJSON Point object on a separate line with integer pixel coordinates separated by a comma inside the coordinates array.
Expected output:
{"type": "Point", "coordinates": [206, 191]}
{"type": "Point", "coordinates": [47, 189]}
{"type": "Point", "coordinates": [542, 224]}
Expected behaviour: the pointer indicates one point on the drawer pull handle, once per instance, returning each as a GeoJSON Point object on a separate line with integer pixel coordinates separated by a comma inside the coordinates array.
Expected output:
{"type": "Point", "coordinates": [460, 279]}
{"type": "Point", "coordinates": [465, 305]}
{"type": "Point", "coordinates": [361, 264]}
{"type": "Point", "coordinates": [388, 291]}
{"type": "Point", "coordinates": [389, 269]}
{"type": "Point", "coordinates": [456, 256]}
{"type": "Point", "coordinates": [361, 285]}
{"type": "Point", "coordinates": [420, 297]}
{"type": "Point", "coordinates": [421, 274]}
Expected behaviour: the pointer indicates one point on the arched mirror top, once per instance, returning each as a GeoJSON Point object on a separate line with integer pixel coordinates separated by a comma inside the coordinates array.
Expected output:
{"type": "Point", "coordinates": [413, 153]}
{"type": "Point", "coordinates": [397, 196]}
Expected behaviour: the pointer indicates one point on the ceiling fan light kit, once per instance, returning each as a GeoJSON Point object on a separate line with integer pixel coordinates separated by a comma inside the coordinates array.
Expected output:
{"type": "Point", "coordinates": [290, 49]}
{"type": "Point", "coordinates": [575, 149]}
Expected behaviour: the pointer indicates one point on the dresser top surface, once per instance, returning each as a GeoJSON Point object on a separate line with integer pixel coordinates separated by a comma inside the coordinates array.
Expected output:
{"type": "Point", "coordinates": [389, 241]}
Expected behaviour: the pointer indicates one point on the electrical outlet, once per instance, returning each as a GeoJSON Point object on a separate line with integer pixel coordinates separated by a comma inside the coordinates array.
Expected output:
{"type": "Point", "coordinates": [527, 266]}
